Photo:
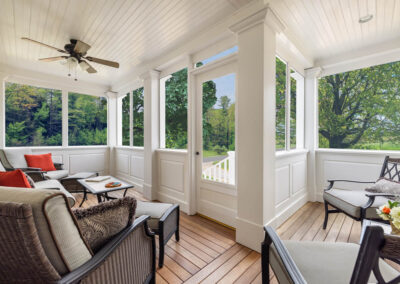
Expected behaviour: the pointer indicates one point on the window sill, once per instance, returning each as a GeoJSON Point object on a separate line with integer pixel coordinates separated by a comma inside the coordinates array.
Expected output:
{"type": "Point", "coordinates": [61, 147]}
{"type": "Point", "coordinates": [135, 148]}
{"type": "Point", "coordinates": [358, 152]}
{"type": "Point", "coordinates": [174, 151]}
{"type": "Point", "coordinates": [289, 153]}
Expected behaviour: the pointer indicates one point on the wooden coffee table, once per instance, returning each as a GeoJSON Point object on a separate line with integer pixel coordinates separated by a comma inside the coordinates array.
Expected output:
{"type": "Point", "coordinates": [99, 189]}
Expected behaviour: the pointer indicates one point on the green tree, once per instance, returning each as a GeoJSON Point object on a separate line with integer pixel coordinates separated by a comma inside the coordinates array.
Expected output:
{"type": "Point", "coordinates": [280, 89]}
{"type": "Point", "coordinates": [360, 107]}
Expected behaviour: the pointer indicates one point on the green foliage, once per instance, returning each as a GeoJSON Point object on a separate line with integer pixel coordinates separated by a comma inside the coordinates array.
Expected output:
{"type": "Point", "coordinates": [87, 120]}
{"type": "Point", "coordinates": [220, 149]}
{"type": "Point", "coordinates": [359, 109]}
{"type": "Point", "coordinates": [33, 116]}
{"type": "Point", "coordinates": [280, 89]}
{"type": "Point", "coordinates": [138, 117]}
{"type": "Point", "coordinates": [125, 120]}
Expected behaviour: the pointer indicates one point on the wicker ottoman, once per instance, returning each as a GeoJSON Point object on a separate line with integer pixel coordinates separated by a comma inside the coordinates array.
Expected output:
{"type": "Point", "coordinates": [164, 222]}
{"type": "Point", "coordinates": [72, 185]}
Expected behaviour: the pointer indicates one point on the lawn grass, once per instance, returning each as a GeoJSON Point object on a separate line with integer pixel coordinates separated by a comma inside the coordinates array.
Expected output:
{"type": "Point", "coordinates": [211, 153]}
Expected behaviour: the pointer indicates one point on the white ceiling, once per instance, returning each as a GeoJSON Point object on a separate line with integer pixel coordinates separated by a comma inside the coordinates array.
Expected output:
{"type": "Point", "coordinates": [327, 28]}
{"type": "Point", "coordinates": [134, 31]}
{"type": "Point", "coordinates": [126, 31]}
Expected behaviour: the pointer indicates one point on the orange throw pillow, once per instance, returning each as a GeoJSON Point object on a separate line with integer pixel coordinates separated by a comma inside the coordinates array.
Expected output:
{"type": "Point", "coordinates": [15, 178]}
{"type": "Point", "coordinates": [43, 161]}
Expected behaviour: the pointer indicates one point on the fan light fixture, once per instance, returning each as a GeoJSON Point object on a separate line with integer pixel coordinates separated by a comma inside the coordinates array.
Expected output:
{"type": "Point", "coordinates": [365, 19]}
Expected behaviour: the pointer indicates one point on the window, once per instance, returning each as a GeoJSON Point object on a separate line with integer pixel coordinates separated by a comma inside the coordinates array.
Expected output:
{"type": "Point", "coordinates": [138, 117]}
{"type": "Point", "coordinates": [87, 120]}
{"type": "Point", "coordinates": [217, 56]}
{"type": "Point", "coordinates": [360, 109]}
{"type": "Point", "coordinates": [173, 91]}
{"type": "Point", "coordinates": [289, 96]}
{"type": "Point", "coordinates": [33, 116]}
{"type": "Point", "coordinates": [126, 114]}
{"type": "Point", "coordinates": [280, 104]}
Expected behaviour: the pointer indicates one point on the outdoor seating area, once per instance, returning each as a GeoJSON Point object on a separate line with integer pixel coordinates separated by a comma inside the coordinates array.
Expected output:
{"type": "Point", "coordinates": [212, 141]}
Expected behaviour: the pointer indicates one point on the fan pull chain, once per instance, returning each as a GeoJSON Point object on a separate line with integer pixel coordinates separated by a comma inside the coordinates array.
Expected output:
{"type": "Point", "coordinates": [76, 79]}
{"type": "Point", "coordinates": [69, 69]}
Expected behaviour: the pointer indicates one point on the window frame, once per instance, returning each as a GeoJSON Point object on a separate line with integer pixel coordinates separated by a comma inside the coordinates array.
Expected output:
{"type": "Point", "coordinates": [299, 109]}
{"type": "Point", "coordinates": [65, 89]}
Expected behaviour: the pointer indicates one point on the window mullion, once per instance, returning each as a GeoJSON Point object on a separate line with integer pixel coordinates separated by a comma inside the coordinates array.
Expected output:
{"type": "Point", "coordinates": [287, 108]}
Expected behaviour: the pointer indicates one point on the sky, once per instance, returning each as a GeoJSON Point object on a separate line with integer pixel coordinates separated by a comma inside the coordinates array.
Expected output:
{"type": "Point", "coordinates": [226, 84]}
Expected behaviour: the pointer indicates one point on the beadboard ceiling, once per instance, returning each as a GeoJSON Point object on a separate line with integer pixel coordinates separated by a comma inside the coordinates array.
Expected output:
{"type": "Point", "coordinates": [328, 28]}
{"type": "Point", "coordinates": [126, 31]}
{"type": "Point", "coordinates": [134, 31]}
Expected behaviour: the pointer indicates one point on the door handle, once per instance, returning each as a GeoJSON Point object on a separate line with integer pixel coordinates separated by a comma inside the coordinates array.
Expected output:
{"type": "Point", "coordinates": [197, 153]}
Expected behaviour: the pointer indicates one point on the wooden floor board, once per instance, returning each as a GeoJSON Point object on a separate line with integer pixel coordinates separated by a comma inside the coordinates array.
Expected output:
{"type": "Point", "coordinates": [208, 253]}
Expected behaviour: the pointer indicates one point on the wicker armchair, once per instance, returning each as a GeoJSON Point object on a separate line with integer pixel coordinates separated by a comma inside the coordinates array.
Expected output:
{"type": "Point", "coordinates": [319, 262]}
{"type": "Point", "coordinates": [359, 204]}
{"type": "Point", "coordinates": [127, 258]}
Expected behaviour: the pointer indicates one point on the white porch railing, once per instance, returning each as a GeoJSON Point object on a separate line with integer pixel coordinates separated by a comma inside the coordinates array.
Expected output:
{"type": "Point", "coordinates": [223, 171]}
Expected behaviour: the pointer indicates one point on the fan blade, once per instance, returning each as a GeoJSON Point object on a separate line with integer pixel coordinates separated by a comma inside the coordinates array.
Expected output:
{"type": "Point", "coordinates": [50, 59]}
{"type": "Point", "coordinates": [43, 44]}
{"type": "Point", "coordinates": [81, 47]}
{"type": "Point", "coordinates": [87, 67]}
{"type": "Point", "coordinates": [104, 62]}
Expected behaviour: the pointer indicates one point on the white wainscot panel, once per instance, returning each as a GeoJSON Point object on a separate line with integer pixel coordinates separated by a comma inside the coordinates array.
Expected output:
{"type": "Point", "coordinates": [172, 175]}
{"type": "Point", "coordinates": [87, 162]}
{"type": "Point", "coordinates": [137, 167]}
{"type": "Point", "coordinates": [282, 175]}
{"type": "Point", "coordinates": [351, 171]}
{"type": "Point", "coordinates": [122, 163]}
{"type": "Point", "coordinates": [299, 171]}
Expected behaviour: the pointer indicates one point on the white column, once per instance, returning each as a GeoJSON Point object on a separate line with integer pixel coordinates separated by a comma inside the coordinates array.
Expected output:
{"type": "Point", "coordinates": [311, 127]}
{"type": "Point", "coordinates": [255, 126]}
{"type": "Point", "coordinates": [112, 127]}
{"type": "Point", "coordinates": [3, 78]}
{"type": "Point", "coordinates": [162, 110]}
{"type": "Point", "coordinates": [151, 84]}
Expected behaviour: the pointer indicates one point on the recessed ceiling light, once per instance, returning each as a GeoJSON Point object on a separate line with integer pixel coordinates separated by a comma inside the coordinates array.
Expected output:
{"type": "Point", "coordinates": [365, 19]}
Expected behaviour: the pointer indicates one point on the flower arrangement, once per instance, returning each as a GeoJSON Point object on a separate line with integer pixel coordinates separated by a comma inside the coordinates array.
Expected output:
{"type": "Point", "coordinates": [391, 212]}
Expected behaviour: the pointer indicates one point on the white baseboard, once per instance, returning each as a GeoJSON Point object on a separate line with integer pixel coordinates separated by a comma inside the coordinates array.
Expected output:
{"type": "Point", "coordinates": [249, 234]}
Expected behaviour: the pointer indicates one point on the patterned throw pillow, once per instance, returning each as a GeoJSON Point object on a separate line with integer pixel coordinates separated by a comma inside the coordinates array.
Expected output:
{"type": "Point", "coordinates": [385, 186]}
{"type": "Point", "coordinates": [101, 222]}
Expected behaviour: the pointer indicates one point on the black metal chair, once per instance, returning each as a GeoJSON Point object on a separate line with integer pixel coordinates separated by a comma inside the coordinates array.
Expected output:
{"type": "Point", "coordinates": [359, 204]}
{"type": "Point", "coordinates": [321, 262]}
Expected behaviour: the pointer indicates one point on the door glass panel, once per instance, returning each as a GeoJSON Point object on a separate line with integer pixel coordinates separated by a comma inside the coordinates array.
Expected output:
{"type": "Point", "coordinates": [219, 129]}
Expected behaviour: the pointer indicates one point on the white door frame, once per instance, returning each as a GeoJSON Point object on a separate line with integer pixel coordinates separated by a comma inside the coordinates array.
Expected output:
{"type": "Point", "coordinates": [218, 68]}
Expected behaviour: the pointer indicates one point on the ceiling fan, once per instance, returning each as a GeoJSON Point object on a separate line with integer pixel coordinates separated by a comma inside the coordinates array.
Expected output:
{"type": "Point", "coordinates": [76, 53]}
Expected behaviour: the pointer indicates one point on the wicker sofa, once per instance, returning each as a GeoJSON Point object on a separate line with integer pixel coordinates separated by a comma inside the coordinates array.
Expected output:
{"type": "Point", "coordinates": [41, 242]}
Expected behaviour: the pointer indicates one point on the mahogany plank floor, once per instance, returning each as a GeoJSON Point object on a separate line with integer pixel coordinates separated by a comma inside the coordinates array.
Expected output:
{"type": "Point", "coordinates": [208, 253]}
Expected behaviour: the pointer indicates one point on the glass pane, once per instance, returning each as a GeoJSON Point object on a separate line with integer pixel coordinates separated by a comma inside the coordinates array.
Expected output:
{"type": "Point", "coordinates": [87, 120]}
{"type": "Point", "coordinates": [138, 117]}
{"type": "Point", "coordinates": [126, 120]}
{"type": "Point", "coordinates": [280, 104]}
{"type": "Point", "coordinates": [293, 97]}
{"type": "Point", "coordinates": [33, 116]}
{"type": "Point", "coordinates": [359, 109]}
{"type": "Point", "coordinates": [219, 129]}
{"type": "Point", "coordinates": [217, 56]}
{"type": "Point", "coordinates": [176, 110]}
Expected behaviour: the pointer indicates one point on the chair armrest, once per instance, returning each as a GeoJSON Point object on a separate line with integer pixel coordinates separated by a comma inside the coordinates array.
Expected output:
{"type": "Point", "coordinates": [36, 175]}
{"type": "Point", "coordinates": [58, 166]}
{"type": "Point", "coordinates": [102, 255]}
{"type": "Point", "coordinates": [289, 265]}
{"type": "Point", "coordinates": [332, 181]}
{"type": "Point", "coordinates": [371, 198]}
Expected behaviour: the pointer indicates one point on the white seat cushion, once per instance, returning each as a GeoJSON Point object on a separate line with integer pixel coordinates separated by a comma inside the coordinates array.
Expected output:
{"type": "Point", "coordinates": [59, 174]}
{"type": "Point", "coordinates": [350, 201]}
{"type": "Point", "coordinates": [55, 224]}
{"type": "Point", "coordinates": [55, 184]}
{"type": "Point", "coordinates": [154, 209]}
{"type": "Point", "coordinates": [16, 157]}
{"type": "Point", "coordinates": [321, 262]}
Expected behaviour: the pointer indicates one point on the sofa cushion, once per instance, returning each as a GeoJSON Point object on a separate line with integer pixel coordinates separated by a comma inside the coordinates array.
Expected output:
{"type": "Point", "coordinates": [154, 209]}
{"type": "Point", "coordinates": [383, 185]}
{"type": "Point", "coordinates": [16, 156]}
{"type": "Point", "coordinates": [55, 184]}
{"type": "Point", "coordinates": [323, 262]}
{"type": "Point", "coordinates": [15, 178]}
{"type": "Point", "coordinates": [351, 201]}
{"type": "Point", "coordinates": [56, 226]}
{"type": "Point", "coordinates": [101, 222]}
{"type": "Point", "coordinates": [58, 174]}
{"type": "Point", "coordinates": [41, 161]}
